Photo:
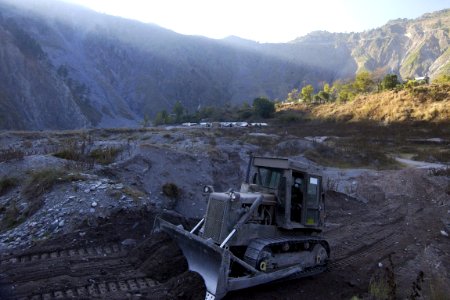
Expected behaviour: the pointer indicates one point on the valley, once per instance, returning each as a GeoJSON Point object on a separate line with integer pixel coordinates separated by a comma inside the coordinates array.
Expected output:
{"type": "Point", "coordinates": [86, 228]}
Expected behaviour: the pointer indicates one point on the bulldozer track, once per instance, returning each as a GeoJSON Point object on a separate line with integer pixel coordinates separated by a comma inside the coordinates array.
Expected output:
{"type": "Point", "coordinates": [359, 255]}
{"type": "Point", "coordinates": [32, 273]}
{"type": "Point", "coordinates": [76, 273]}
{"type": "Point", "coordinates": [133, 285]}
{"type": "Point", "coordinates": [93, 251]}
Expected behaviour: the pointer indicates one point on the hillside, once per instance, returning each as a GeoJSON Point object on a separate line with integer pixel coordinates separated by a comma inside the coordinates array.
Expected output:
{"type": "Point", "coordinates": [408, 48]}
{"type": "Point", "coordinates": [429, 103]}
{"type": "Point", "coordinates": [107, 71]}
{"type": "Point", "coordinates": [63, 66]}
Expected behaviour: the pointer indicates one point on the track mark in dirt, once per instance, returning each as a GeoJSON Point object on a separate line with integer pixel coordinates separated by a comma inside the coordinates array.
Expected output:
{"type": "Point", "coordinates": [107, 250]}
{"type": "Point", "coordinates": [97, 289]}
{"type": "Point", "coordinates": [355, 257]}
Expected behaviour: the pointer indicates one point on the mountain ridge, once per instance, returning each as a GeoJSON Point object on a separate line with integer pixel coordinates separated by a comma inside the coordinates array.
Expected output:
{"type": "Point", "coordinates": [69, 67]}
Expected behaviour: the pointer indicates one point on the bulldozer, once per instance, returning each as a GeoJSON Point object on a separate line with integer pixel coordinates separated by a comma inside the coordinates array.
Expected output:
{"type": "Point", "coordinates": [269, 230]}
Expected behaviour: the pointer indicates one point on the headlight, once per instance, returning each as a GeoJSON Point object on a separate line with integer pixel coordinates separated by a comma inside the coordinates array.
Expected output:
{"type": "Point", "coordinates": [234, 196]}
{"type": "Point", "coordinates": [207, 189]}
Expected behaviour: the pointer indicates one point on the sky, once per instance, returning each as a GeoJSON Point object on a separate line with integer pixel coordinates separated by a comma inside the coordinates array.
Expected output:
{"type": "Point", "coordinates": [264, 20]}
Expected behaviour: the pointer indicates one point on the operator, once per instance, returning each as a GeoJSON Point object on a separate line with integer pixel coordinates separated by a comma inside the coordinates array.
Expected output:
{"type": "Point", "coordinates": [297, 200]}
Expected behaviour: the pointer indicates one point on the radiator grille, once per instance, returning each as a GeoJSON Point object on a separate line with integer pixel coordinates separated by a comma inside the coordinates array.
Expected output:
{"type": "Point", "coordinates": [215, 219]}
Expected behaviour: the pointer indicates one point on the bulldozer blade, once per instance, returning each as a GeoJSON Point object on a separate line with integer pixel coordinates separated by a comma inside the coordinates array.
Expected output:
{"type": "Point", "coordinates": [204, 257]}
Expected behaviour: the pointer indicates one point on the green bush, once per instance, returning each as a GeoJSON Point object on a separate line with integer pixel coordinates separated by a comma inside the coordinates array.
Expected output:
{"type": "Point", "coordinates": [263, 107]}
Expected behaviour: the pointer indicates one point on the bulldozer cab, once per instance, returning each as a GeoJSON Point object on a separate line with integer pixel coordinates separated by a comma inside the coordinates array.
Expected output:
{"type": "Point", "coordinates": [297, 189]}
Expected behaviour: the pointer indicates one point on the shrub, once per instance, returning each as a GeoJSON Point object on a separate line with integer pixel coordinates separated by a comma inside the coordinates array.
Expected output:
{"type": "Point", "coordinates": [383, 286]}
{"type": "Point", "coordinates": [72, 150]}
{"type": "Point", "coordinates": [105, 156]}
{"type": "Point", "coordinates": [70, 154]}
{"type": "Point", "coordinates": [378, 289]}
{"type": "Point", "coordinates": [390, 81]}
{"type": "Point", "coordinates": [7, 183]}
{"type": "Point", "coordinates": [11, 216]}
{"type": "Point", "coordinates": [171, 190]}
{"type": "Point", "coordinates": [263, 107]}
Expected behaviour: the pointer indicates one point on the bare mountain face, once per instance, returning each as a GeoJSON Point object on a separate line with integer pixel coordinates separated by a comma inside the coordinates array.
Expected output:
{"type": "Point", "coordinates": [409, 48]}
{"type": "Point", "coordinates": [63, 67]}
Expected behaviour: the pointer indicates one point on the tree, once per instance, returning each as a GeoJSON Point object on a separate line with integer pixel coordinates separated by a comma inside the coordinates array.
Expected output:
{"type": "Point", "coordinates": [293, 95]}
{"type": "Point", "coordinates": [363, 82]}
{"type": "Point", "coordinates": [327, 88]}
{"type": "Point", "coordinates": [146, 121]}
{"type": "Point", "coordinates": [316, 98]}
{"type": "Point", "coordinates": [178, 110]}
{"type": "Point", "coordinates": [307, 92]}
{"type": "Point", "coordinates": [161, 118]}
{"type": "Point", "coordinates": [245, 111]}
{"type": "Point", "coordinates": [389, 82]}
{"type": "Point", "coordinates": [442, 79]}
{"type": "Point", "coordinates": [346, 93]}
{"type": "Point", "coordinates": [378, 75]}
{"type": "Point", "coordinates": [263, 107]}
{"type": "Point", "coordinates": [324, 96]}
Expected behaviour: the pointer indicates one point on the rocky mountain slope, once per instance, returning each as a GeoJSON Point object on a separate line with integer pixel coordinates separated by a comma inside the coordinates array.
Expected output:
{"type": "Point", "coordinates": [62, 66]}
{"type": "Point", "coordinates": [107, 71]}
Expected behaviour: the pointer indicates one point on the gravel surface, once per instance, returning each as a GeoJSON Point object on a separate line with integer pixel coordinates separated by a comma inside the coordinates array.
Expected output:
{"type": "Point", "coordinates": [373, 217]}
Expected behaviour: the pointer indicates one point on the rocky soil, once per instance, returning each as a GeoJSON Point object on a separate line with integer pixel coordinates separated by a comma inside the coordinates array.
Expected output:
{"type": "Point", "coordinates": [88, 233]}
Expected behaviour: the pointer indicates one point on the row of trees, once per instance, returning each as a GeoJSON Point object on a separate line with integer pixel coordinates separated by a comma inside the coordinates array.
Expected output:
{"type": "Point", "coordinates": [262, 107]}
{"type": "Point", "coordinates": [341, 91]}
{"type": "Point", "coordinates": [364, 82]}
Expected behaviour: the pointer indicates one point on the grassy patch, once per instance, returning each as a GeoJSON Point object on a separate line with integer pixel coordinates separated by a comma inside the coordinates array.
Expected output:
{"type": "Point", "coordinates": [78, 152]}
{"type": "Point", "coordinates": [41, 182]}
{"type": "Point", "coordinates": [383, 286]}
{"type": "Point", "coordinates": [73, 150]}
{"type": "Point", "coordinates": [69, 154]}
{"type": "Point", "coordinates": [105, 156]}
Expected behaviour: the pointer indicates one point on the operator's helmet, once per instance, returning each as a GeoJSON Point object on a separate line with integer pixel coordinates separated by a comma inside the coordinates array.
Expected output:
{"type": "Point", "coordinates": [297, 182]}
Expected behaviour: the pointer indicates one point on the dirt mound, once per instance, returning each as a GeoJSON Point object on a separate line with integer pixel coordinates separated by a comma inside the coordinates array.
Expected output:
{"type": "Point", "coordinates": [159, 257]}
{"type": "Point", "coordinates": [188, 285]}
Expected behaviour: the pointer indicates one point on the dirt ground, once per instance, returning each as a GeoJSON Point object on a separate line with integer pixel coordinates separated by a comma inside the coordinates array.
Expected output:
{"type": "Point", "coordinates": [388, 232]}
